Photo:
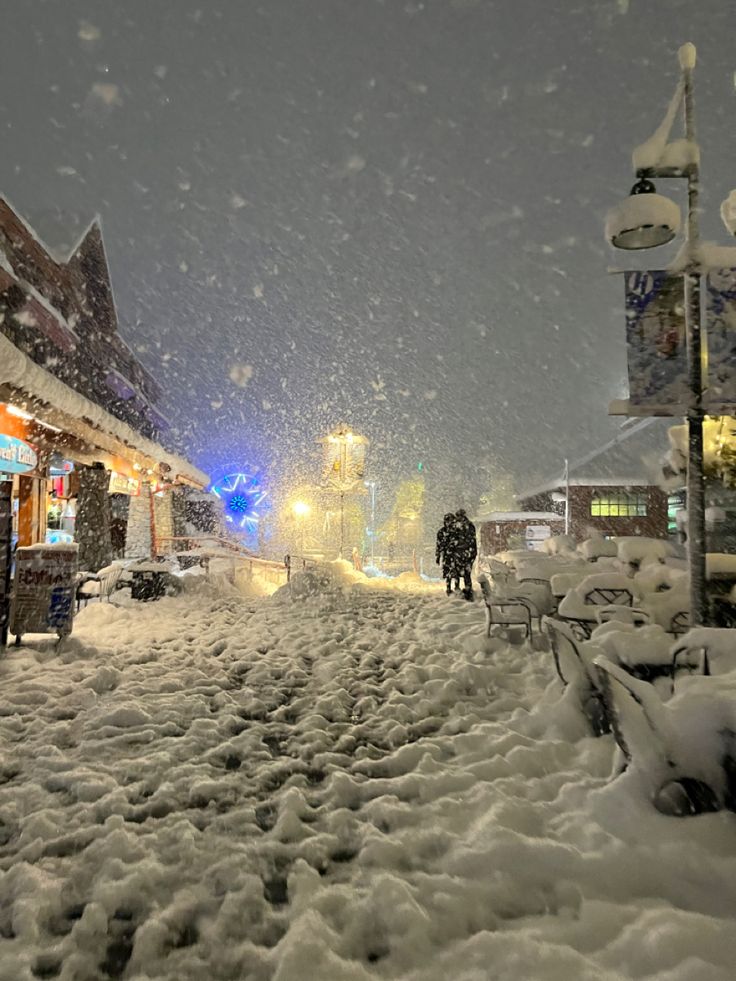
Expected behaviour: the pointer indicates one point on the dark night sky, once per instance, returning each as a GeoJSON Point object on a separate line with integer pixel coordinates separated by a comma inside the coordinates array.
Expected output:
{"type": "Point", "coordinates": [388, 212]}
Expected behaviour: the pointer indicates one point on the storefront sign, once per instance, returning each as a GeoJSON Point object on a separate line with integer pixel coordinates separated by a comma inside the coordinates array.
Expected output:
{"type": "Point", "coordinates": [538, 533]}
{"type": "Point", "coordinates": [655, 341]}
{"type": "Point", "coordinates": [16, 456]}
{"type": "Point", "coordinates": [120, 484]}
{"type": "Point", "coordinates": [43, 593]}
{"type": "Point", "coordinates": [720, 307]}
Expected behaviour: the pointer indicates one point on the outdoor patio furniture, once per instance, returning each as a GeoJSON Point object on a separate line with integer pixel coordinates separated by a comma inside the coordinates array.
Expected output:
{"type": "Point", "coordinates": [505, 611]}
{"type": "Point", "coordinates": [593, 549]}
{"type": "Point", "coordinates": [710, 650]}
{"type": "Point", "coordinates": [149, 580]}
{"type": "Point", "coordinates": [98, 585]}
{"type": "Point", "coordinates": [539, 594]}
{"type": "Point", "coordinates": [641, 648]}
{"type": "Point", "coordinates": [578, 608]}
{"type": "Point", "coordinates": [575, 669]}
{"type": "Point", "coordinates": [623, 614]}
{"type": "Point", "coordinates": [680, 623]}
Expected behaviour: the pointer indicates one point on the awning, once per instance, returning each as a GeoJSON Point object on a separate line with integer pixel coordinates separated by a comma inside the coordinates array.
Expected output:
{"type": "Point", "coordinates": [56, 403]}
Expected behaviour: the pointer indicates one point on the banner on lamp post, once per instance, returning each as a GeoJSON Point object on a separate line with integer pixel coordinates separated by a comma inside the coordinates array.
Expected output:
{"type": "Point", "coordinates": [720, 312]}
{"type": "Point", "coordinates": [656, 343]}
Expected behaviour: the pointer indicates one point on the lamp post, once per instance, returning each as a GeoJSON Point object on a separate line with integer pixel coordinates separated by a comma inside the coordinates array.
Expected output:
{"type": "Point", "coordinates": [343, 467]}
{"type": "Point", "coordinates": [371, 485]}
{"type": "Point", "coordinates": [301, 510]}
{"type": "Point", "coordinates": [645, 221]}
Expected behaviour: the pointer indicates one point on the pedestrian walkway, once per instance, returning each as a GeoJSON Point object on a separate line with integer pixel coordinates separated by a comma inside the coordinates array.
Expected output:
{"type": "Point", "coordinates": [353, 785]}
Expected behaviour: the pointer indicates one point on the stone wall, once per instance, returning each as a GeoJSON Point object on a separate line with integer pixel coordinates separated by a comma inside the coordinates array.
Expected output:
{"type": "Point", "coordinates": [138, 534]}
{"type": "Point", "coordinates": [163, 509]}
{"type": "Point", "coordinates": [93, 518]}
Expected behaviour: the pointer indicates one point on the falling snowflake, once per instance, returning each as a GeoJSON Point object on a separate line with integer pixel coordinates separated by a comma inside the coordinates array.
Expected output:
{"type": "Point", "coordinates": [241, 374]}
{"type": "Point", "coordinates": [88, 32]}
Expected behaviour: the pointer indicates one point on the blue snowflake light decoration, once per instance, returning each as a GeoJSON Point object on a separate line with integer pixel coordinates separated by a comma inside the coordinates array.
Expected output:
{"type": "Point", "coordinates": [242, 496]}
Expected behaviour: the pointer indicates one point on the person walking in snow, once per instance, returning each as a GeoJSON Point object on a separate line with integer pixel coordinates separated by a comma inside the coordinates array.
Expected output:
{"type": "Point", "coordinates": [446, 551]}
{"type": "Point", "coordinates": [466, 550]}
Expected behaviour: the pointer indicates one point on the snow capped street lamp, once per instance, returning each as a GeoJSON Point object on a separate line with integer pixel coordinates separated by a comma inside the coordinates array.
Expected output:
{"type": "Point", "coordinates": [646, 220]}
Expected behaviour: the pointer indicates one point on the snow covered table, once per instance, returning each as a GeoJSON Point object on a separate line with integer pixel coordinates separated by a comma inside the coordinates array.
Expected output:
{"type": "Point", "coordinates": [579, 606]}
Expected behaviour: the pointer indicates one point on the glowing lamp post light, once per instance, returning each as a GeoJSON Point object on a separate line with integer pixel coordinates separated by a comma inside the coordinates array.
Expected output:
{"type": "Point", "coordinates": [646, 220]}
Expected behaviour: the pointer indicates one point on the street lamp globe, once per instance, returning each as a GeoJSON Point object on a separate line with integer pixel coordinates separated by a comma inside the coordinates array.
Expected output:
{"type": "Point", "coordinates": [301, 509]}
{"type": "Point", "coordinates": [644, 220]}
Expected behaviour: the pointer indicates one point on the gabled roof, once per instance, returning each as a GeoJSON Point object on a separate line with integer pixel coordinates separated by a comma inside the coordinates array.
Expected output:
{"type": "Point", "coordinates": [633, 457]}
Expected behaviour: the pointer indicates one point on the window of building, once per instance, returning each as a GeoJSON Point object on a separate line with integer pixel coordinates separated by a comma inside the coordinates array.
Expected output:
{"type": "Point", "coordinates": [675, 503]}
{"type": "Point", "coordinates": [618, 504]}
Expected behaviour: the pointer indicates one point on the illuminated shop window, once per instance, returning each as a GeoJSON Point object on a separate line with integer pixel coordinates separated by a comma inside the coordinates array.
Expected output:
{"type": "Point", "coordinates": [618, 504]}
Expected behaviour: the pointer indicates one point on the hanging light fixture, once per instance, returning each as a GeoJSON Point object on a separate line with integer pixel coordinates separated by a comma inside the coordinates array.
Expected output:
{"type": "Point", "coordinates": [644, 220]}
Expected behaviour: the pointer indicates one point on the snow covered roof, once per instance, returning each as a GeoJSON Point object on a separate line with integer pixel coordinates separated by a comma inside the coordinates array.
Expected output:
{"type": "Point", "coordinates": [633, 458]}
{"type": "Point", "coordinates": [500, 516]}
{"type": "Point", "coordinates": [84, 418]}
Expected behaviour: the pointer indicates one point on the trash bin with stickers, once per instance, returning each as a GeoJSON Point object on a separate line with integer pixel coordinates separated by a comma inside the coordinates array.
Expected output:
{"type": "Point", "coordinates": [43, 590]}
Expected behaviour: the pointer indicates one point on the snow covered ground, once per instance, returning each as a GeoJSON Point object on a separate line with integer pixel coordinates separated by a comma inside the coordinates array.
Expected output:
{"type": "Point", "coordinates": [348, 785]}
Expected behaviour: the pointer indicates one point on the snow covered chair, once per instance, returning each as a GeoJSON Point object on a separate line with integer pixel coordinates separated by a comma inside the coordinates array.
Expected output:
{"type": "Point", "coordinates": [99, 585]}
{"type": "Point", "coordinates": [575, 669]}
{"type": "Point", "coordinates": [685, 751]}
{"type": "Point", "coordinates": [504, 610]}
{"type": "Point", "coordinates": [711, 650]}
{"type": "Point", "coordinates": [667, 605]}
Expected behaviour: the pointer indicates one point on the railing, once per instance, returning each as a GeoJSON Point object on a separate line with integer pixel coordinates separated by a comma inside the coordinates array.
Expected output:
{"type": "Point", "coordinates": [189, 542]}
{"type": "Point", "coordinates": [270, 569]}
{"type": "Point", "coordinates": [297, 563]}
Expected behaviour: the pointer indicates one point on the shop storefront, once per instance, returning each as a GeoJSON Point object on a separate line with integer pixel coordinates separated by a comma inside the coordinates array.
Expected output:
{"type": "Point", "coordinates": [23, 467]}
{"type": "Point", "coordinates": [47, 466]}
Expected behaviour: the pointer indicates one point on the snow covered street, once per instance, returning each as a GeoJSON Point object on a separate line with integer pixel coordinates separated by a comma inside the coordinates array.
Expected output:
{"type": "Point", "coordinates": [343, 786]}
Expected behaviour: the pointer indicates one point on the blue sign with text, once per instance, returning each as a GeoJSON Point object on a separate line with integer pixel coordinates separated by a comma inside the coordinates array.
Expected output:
{"type": "Point", "coordinates": [16, 456]}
